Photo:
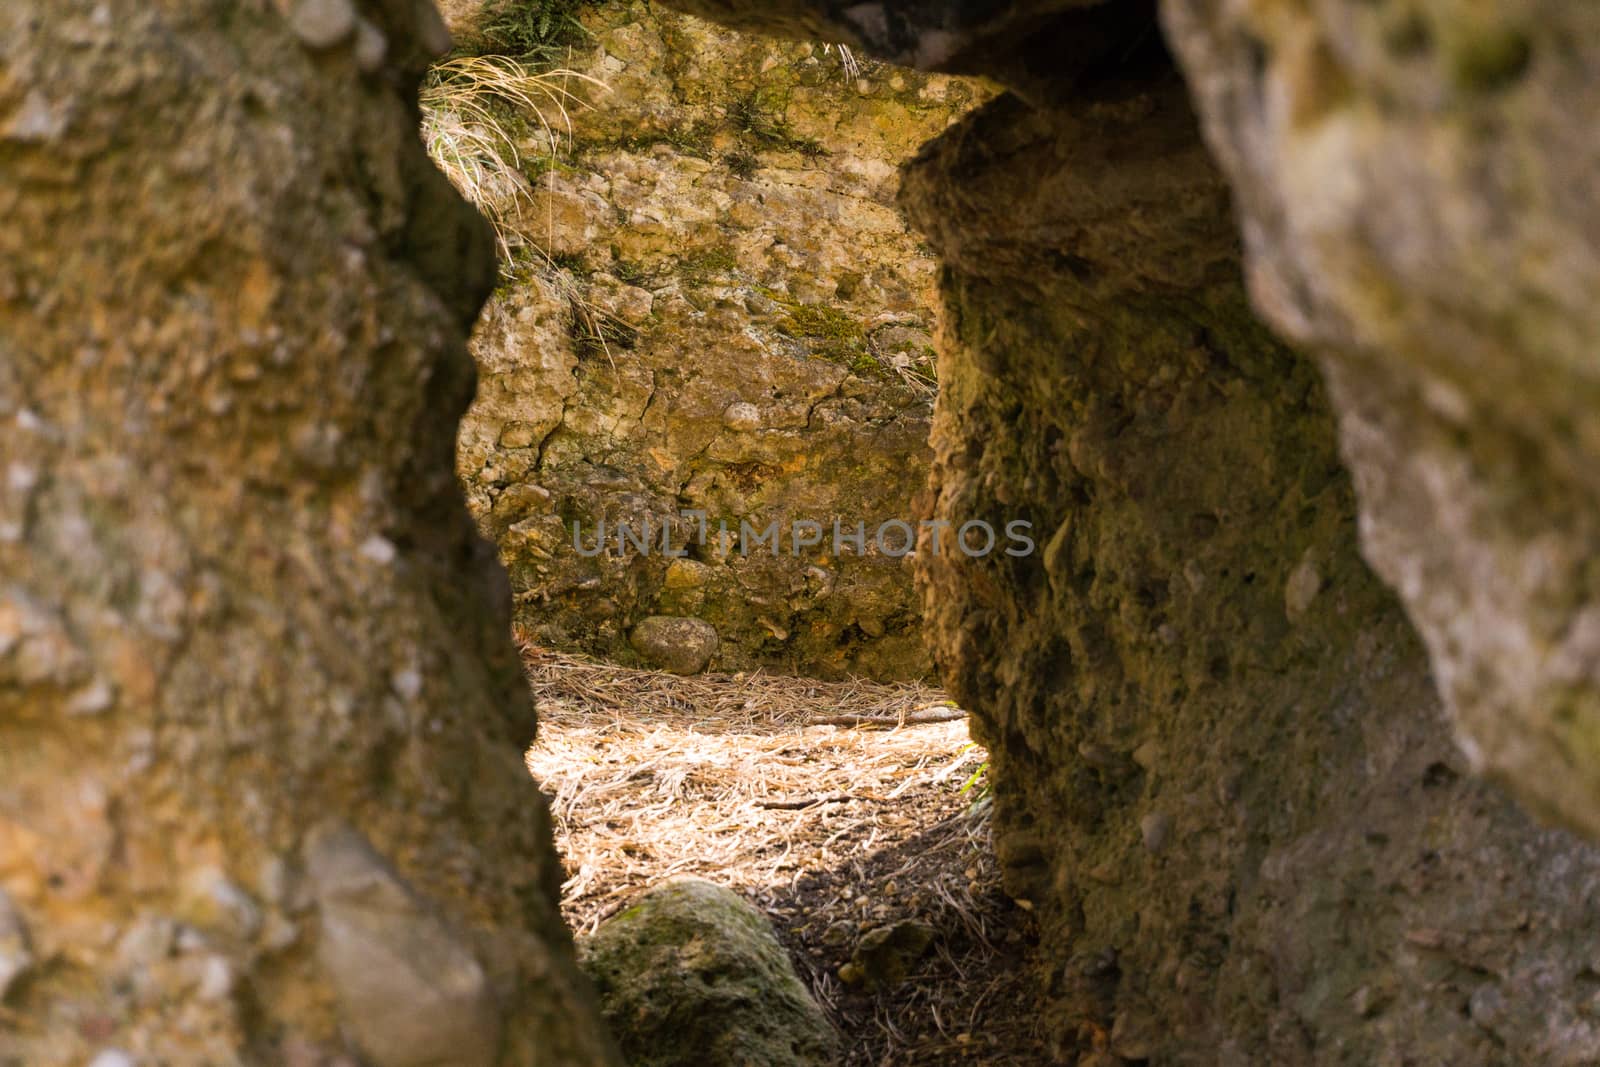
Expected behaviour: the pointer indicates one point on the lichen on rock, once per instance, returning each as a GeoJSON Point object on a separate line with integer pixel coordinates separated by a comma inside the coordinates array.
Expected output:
{"type": "Point", "coordinates": [721, 312]}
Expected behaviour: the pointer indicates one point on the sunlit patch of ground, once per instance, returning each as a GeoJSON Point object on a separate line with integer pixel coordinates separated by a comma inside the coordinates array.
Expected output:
{"type": "Point", "coordinates": [835, 807]}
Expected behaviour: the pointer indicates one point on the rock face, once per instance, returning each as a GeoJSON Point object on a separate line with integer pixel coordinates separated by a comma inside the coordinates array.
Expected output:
{"type": "Point", "coordinates": [1223, 775]}
{"type": "Point", "coordinates": [1221, 772]}
{"type": "Point", "coordinates": [692, 976]}
{"type": "Point", "coordinates": [410, 989]}
{"type": "Point", "coordinates": [1418, 189]}
{"type": "Point", "coordinates": [239, 590]}
{"type": "Point", "coordinates": [735, 322]}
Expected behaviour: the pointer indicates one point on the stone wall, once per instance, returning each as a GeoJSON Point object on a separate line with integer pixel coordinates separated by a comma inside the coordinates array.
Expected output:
{"type": "Point", "coordinates": [721, 310]}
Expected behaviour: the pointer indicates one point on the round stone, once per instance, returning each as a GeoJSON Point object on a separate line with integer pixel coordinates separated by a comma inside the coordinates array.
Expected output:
{"type": "Point", "coordinates": [676, 644]}
{"type": "Point", "coordinates": [742, 417]}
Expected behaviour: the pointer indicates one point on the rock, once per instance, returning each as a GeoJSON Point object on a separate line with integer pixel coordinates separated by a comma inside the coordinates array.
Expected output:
{"type": "Point", "coordinates": [1305, 582]}
{"type": "Point", "coordinates": [692, 976]}
{"type": "Point", "coordinates": [839, 933]}
{"type": "Point", "coordinates": [679, 645]}
{"type": "Point", "coordinates": [16, 956]}
{"type": "Point", "coordinates": [767, 314]}
{"type": "Point", "coordinates": [185, 525]}
{"type": "Point", "coordinates": [412, 993]}
{"type": "Point", "coordinates": [321, 24]}
{"type": "Point", "coordinates": [1154, 829]}
{"type": "Point", "coordinates": [742, 417]}
{"type": "Point", "coordinates": [1389, 236]}
{"type": "Point", "coordinates": [885, 955]}
{"type": "Point", "coordinates": [1303, 748]}
{"type": "Point", "coordinates": [371, 48]}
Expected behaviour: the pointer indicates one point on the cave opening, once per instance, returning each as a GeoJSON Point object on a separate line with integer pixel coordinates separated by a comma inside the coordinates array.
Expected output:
{"type": "Point", "coordinates": [700, 444]}
{"type": "Point", "coordinates": [1263, 637]}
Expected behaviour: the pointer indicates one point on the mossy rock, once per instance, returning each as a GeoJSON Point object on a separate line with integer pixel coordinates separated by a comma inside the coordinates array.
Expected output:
{"type": "Point", "coordinates": [692, 974]}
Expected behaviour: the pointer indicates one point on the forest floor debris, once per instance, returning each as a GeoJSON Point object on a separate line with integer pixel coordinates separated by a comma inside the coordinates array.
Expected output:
{"type": "Point", "coordinates": [835, 831]}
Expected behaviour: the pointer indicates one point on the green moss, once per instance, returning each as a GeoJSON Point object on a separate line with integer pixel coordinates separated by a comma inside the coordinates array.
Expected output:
{"type": "Point", "coordinates": [690, 138]}
{"type": "Point", "coordinates": [758, 119]}
{"type": "Point", "coordinates": [708, 263]}
{"type": "Point", "coordinates": [742, 165]}
{"type": "Point", "coordinates": [629, 272]}
{"type": "Point", "coordinates": [534, 29]}
{"type": "Point", "coordinates": [832, 335]}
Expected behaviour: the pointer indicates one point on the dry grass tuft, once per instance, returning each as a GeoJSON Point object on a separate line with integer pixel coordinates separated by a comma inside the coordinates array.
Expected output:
{"type": "Point", "coordinates": [831, 829]}
{"type": "Point", "coordinates": [466, 103]}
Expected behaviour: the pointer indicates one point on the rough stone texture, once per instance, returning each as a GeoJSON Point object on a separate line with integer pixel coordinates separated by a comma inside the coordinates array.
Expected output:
{"type": "Point", "coordinates": [1418, 186]}
{"type": "Point", "coordinates": [1221, 772]}
{"type": "Point", "coordinates": [240, 590]}
{"type": "Point", "coordinates": [410, 990]}
{"type": "Point", "coordinates": [693, 976]}
{"type": "Point", "coordinates": [679, 645]}
{"type": "Point", "coordinates": [725, 211]}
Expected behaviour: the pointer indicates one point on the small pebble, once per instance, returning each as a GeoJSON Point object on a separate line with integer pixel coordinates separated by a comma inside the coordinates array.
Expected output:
{"type": "Point", "coordinates": [741, 417]}
{"type": "Point", "coordinates": [1155, 829]}
{"type": "Point", "coordinates": [322, 24]}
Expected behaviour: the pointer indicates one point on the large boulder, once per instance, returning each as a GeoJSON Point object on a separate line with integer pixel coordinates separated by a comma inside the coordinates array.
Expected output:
{"type": "Point", "coordinates": [693, 976]}
{"type": "Point", "coordinates": [239, 590]}
{"type": "Point", "coordinates": [1221, 772]}
{"type": "Point", "coordinates": [1419, 187]}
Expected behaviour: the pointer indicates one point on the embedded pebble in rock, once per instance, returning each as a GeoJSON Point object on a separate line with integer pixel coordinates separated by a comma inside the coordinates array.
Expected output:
{"type": "Point", "coordinates": [1155, 828]}
{"type": "Point", "coordinates": [686, 574]}
{"type": "Point", "coordinates": [322, 24]}
{"type": "Point", "coordinates": [742, 417]}
{"type": "Point", "coordinates": [1305, 582]}
{"type": "Point", "coordinates": [217, 903]}
{"type": "Point", "coordinates": [411, 992]}
{"type": "Point", "coordinates": [371, 48]}
{"type": "Point", "coordinates": [671, 643]}
{"type": "Point", "coordinates": [113, 1057]}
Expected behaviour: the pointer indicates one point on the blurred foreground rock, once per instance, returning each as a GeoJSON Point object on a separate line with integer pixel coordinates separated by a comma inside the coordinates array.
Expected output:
{"type": "Point", "coordinates": [239, 589]}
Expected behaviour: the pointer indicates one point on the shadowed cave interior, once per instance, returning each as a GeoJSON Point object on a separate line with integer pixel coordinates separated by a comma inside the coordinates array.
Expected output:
{"type": "Point", "coordinates": [1049, 532]}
